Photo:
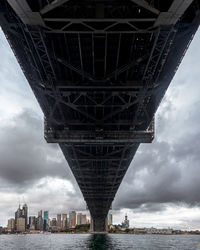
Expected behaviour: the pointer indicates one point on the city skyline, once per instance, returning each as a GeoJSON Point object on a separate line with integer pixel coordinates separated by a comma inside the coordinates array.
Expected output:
{"type": "Point", "coordinates": [50, 215]}
{"type": "Point", "coordinates": [162, 184]}
{"type": "Point", "coordinates": [23, 221]}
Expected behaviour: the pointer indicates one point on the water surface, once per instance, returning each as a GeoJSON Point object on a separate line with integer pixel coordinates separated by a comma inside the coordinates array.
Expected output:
{"type": "Point", "coordinates": [99, 242]}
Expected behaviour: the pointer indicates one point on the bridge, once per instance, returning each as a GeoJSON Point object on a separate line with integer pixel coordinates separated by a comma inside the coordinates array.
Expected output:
{"type": "Point", "coordinates": [99, 70]}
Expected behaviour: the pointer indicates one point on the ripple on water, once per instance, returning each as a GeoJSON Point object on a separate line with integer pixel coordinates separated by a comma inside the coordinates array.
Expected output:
{"type": "Point", "coordinates": [99, 242]}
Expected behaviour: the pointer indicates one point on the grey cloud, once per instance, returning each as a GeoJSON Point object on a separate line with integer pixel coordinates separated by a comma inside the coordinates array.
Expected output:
{"type": "Point", "coordinates": [25, 155]}
{"type": "Point", "coordinates": [163, 172]}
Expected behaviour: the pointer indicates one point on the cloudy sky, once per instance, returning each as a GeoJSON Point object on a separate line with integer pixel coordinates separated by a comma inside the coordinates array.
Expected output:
{"type": "Point", "coordinates": [162, 185]}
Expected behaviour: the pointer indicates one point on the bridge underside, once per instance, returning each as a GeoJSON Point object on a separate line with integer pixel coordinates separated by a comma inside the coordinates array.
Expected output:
{"type": "Point", "coordinates": [99, 70]}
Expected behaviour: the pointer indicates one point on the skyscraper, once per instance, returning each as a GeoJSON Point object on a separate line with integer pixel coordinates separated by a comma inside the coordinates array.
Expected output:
{"type": "Point", "coordinates": [25, 214]}
{"type": "Point", "coordinates": [72, 219]}
{"type": "Point", "coordinates": [21, 227]}
{"type": "Point", "coordinates": [21, 213]}
{"type": "Point", "coordinates": [53, 222]}
{"type": "Point", "coordinates": [32, 222]}
{"type": "Point", "coordinates": [125, 224]}
{"type": "Point", "coordinates": [11, 225]}
{"type": "Point", "coordinates": [83, 219]}
{"type": "Point", "coordinates": [79, 215]}
{"type": "Point", "coordinates": [40, 221]}
{"type": "Point", "coordinates": [59, 220]}
{"type": "Point", "coordinates": [110, 219]}
{"type": "Point", "coordinates": [64, 221]}
{"type": "Point", "coordinates": [46, 221]}
{"type": "Point", "coordinates": [17, 215]}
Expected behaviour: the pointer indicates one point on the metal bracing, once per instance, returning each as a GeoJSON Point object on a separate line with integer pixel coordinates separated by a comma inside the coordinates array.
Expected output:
{"type": "Point", "coordinates": [52, 6]}
{"type": "Point", "coordinates": [109, 20]}
{"type": "Point", "coordinates": [91, 25]}
{"type": "Point", "coordinates": [160, 49]}
{"type": "Point", "coordinates": [175, 12]}
{"type": "Point", "coordinates": [117, 100]}
{"type": "Point", "coordinates": [99, 70]}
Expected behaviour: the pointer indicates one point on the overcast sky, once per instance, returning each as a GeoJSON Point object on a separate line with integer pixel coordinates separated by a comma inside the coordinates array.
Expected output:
{"type": "Point", "coordinates": [162, 185]}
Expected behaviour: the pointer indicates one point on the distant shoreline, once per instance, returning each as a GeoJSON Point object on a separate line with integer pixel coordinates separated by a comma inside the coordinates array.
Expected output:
{"type": "Point", "coordinates": [38, 233]}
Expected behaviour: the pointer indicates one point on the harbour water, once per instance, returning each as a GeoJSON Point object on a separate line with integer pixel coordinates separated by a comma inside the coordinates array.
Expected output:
{"type": "Point", "coordinates": [99, 242]}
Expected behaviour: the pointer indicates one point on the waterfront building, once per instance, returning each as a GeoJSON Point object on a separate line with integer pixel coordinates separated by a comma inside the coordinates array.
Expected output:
{"type": "Point", "coordinates": [37, 223]}
{"type": "Point", "coordinates": [21, 226]}
{"type": "Point", "coordinates": [46, 221]}
{"type": "Point", "coordinates": [32, 222]}
{"type": "Point", "coordinates": [68, 222]}
{"type": "Point", "coordinates": [158, 231]}
{"type": "Point", "coordinates": [110, 219]}
{"type": "Point", "coordinates": [53, 222]}
{"type": "Point", "coordinates": [64, 221]}
{"type": "Point", "coordinates": [83, 219]}
{"type": "Point", "coordinates": [59, 220]}
{"type": "Point", "coordinates": [40, 221]}
{"type": "Point", "coordinates": [25, 214]}
{"type": "Point", "coordinates": [21, 213]}
{"type": "Point", "coordinates": [40, 213]}
{"type": "Point", "coordinates": [79, 215]}
{"type": "Point", "coordinates": [17, 215]}
{"type": "Point", "coordinates": [72, 219]}
{"type": "Point", "coordinates": [125, 223]}
{"type": "Point", "coordinates": [11, 225]}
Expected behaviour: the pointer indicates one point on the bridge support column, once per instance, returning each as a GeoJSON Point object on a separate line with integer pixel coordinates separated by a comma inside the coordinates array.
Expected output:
{"type": "Point", "coordinates": [98, 225]}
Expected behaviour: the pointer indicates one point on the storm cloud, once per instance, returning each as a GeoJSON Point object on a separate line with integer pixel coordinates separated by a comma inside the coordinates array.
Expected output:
{"type": "Point", "coordinates": [25, 155]}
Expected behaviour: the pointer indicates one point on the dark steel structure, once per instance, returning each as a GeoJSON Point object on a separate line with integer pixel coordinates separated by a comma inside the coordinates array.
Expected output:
{"type": "Point", "coordinates": [99, 69]}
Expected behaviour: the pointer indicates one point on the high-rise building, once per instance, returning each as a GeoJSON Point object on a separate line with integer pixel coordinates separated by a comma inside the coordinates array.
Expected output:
{"type": "Point", "coordinates": [25, 214]}
{"type": "Point", "coordinates": [21, 213]}
{"type": "Point", "coordinates": [53, 222]}
{"type": "Point", "coordinates": [17, 215]}
{"type": "Point", "coordinates": [46, 221]}
{"type": "Point", "coordinates": [110, 219]}
{"type": "Point", "coordinates": [11, 225]}
{"type": "Point", "coordinates": [79, 215]}
{"type": "Point", "coordinates": [83, 219]}
{"type": "Point", "coordinates": [125, 224]}
{"type": "Point", "coordinates": [68, 222]}
{"type": "Point", "coordinates": [40, 221]}
{"type": "Point", "coordinates": [64, 221]}
{"type": "Point", "coordinates": [32, 222]}
{"type": "Point", "coordinates": [59, 220]}
{"type": "Point", "coordinates": [39, 213]}
{"type": "Point", "coordinates": [21, 227]}
{"type": "Point", "coordinates": [72, 219]}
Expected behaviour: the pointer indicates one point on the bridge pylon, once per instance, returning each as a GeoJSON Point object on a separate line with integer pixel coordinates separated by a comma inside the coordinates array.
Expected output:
{"type": "Point", "coordinates": [99, 225]}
